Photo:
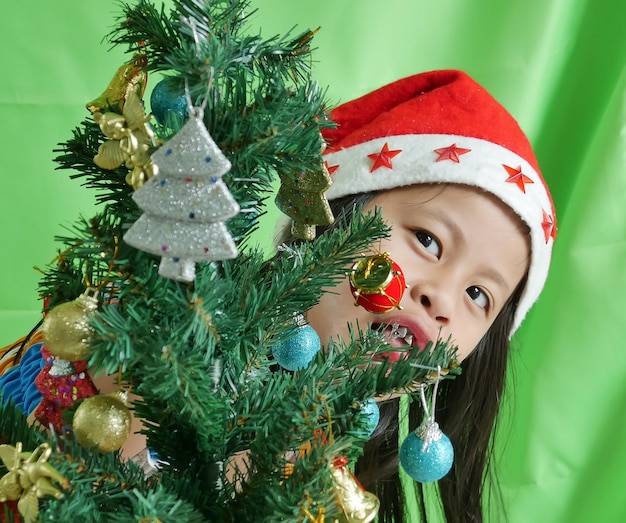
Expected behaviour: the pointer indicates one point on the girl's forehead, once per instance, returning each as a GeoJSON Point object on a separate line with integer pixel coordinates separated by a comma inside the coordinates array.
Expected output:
{"type": "Point", "coordinates": [424, 195]}
{"type": "Point", "coordinates": [444, 195]}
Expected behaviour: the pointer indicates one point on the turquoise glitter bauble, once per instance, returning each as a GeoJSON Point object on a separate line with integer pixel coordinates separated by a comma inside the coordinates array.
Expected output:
{"type": "Point", "coordinates": [426, 463]}
{"type": "Point", "coordinates": [166, 97]}
{"type": "Point", "coordinates": [296, 353]}
{"type": "Point", "coordinates": [371, 412]}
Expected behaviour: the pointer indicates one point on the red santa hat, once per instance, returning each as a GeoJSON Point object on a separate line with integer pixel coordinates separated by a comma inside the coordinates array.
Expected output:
{"type": "Point", "coordinates": [443, 127]}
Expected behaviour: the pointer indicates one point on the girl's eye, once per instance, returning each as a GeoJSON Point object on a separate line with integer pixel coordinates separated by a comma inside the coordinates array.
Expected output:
{"type": "Point", "coordinates": [478, 296]}
{"type": "Point", "coordinates": [430, 244]}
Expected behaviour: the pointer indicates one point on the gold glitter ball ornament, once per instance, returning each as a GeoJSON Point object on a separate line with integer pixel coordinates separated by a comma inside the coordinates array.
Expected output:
{"type": "Point", "coordinates": [66, 330]}
{"type": "Point", "coordinates": [102, 422]}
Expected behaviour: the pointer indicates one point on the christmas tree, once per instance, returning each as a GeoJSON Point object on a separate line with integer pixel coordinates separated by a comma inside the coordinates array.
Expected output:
{"type": "Point", "coordinates": [235, 435]}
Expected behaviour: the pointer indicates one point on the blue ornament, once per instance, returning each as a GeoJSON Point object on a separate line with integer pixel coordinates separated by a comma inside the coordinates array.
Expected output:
{"type": "Point", "coordinates": [296, 353]}
{"type": "Point", "coordinates": [371, 413]}
{"type": "Point", "coordinates": [427, 454]}
{"type": "Point", "coordinates": [167, 97]}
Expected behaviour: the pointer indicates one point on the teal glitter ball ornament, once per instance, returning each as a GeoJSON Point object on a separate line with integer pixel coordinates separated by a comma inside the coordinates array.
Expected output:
{"type": "Point", "coordinates": [296, 352]}
{"type": "Point", "coordinates": [166, 97]}
{"type": "Point", "coordinates": [427, 454]}
{"type": "Point", "coordinates": [371, 412]}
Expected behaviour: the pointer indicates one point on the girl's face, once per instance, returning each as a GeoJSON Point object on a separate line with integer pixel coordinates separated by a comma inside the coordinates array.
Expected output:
{"type": "Point", "coordinates": [462, 251]}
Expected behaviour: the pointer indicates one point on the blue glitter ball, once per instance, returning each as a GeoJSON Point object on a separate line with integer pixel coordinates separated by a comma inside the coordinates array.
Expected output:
{"type": "Point", "coordinates": [371, 414]}
{"type": "Point", "coordinates": [167, 97]}
{"type": "Point", "coordinates": [429, 464]}
{"type": "Point", "coordinates": [296, 353]}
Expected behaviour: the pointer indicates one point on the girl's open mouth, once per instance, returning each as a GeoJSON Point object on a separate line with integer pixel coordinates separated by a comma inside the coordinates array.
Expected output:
{"type": "Point", "coordinates": [398, 336]}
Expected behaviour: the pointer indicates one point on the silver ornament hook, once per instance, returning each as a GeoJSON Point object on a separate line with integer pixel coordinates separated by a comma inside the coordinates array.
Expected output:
{"type": "Point", "coordinates": [193, 110]}
{"type": "Point", "coordinates": [429, 430]}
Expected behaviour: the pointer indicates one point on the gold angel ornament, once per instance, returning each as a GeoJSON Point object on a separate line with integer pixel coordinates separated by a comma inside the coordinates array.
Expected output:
{"type": "Point", "coordinates": [29, 478]}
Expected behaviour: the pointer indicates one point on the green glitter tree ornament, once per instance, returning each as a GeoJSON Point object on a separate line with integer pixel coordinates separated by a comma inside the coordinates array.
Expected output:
{"type": "Point", "coordinates": [302, 198]}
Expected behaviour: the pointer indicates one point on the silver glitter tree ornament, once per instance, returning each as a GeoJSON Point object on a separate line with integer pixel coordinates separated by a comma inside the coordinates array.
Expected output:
{"type": "Point", "coordinates": [186, 204]}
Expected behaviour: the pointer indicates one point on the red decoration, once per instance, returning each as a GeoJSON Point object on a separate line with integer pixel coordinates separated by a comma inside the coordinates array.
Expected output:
{"type": "Point", "coordinates": [377, 283]}
{"type": "Point", "coordinates": [451, 153]}
{"type": "Point", "coordinates": [61, 391]}
{"type": "Point", "coordinates": [12, 511]}
{"type": "Point", "coordinates": [517, 177]}
{"type": "Point", "coordinates": [548, 226]}
{"type": "Point", "coordinates": [340, 462]}
{"type": "Point", "coordinates": [330, 168]}
{"type": "Point", "coordinates": [383, 158]}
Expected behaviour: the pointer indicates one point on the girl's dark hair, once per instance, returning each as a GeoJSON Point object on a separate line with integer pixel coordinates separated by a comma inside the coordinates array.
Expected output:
{"type": "Point", "coordinates": [467, 409]}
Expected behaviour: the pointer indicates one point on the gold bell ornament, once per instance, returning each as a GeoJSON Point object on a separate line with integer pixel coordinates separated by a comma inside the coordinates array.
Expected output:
{"type": "Point", "coordinates": [358, 505]}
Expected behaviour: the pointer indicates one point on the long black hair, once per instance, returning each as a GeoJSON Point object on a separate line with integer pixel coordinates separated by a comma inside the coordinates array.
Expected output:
{"type": "Point", "coordinates": [467, 409]}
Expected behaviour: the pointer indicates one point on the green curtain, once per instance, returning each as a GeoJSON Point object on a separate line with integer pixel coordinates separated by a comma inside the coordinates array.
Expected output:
{"type": "Point", "coordinates": [557, 65]}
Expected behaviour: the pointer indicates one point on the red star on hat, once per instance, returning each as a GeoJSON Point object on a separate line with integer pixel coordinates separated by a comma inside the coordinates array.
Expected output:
{"type": "Point", "coordinates": [548, 226]}
{"type": "Point", "coordinates": [451, 152]}
{"type": "Point", "coordinates": [383, 158]}
{"type": "Point", "coordinates": [330, 168]}
{"type": "Point", "coordinates": [517, 177]}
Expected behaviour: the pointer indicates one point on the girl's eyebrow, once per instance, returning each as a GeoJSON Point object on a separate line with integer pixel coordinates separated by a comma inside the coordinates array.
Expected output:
{"type": "Point", "coordinates": [497, 278]}
{"type": "Point", "coordinates": [444, 219]}
{"type": "Point", "coordinates": [457, 235]}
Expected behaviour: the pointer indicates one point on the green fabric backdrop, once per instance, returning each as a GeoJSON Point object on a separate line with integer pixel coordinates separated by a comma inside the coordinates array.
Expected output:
{"type": "Point", "coordinates": [558, 65]}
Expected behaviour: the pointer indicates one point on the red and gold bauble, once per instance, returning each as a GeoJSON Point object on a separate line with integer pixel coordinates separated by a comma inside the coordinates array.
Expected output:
{"type": "Point", "coordinates": [377, 283]}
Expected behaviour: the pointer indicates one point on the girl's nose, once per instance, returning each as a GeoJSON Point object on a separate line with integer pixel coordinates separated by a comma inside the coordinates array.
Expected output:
{"type": "Point", "coordinates": [434, 299]}
{"type": "Point", "coordinates": [425, 301]}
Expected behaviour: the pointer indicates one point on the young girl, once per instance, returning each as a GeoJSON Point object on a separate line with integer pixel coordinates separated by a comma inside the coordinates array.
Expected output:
{"type": "Point", "coordinates": [473, 226]}
{"type": "Point", "coordinates": [472, 229]}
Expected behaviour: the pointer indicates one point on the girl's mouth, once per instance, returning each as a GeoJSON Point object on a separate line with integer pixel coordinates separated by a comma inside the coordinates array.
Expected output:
{"type": "Point", "coordinates": [398, 336]}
